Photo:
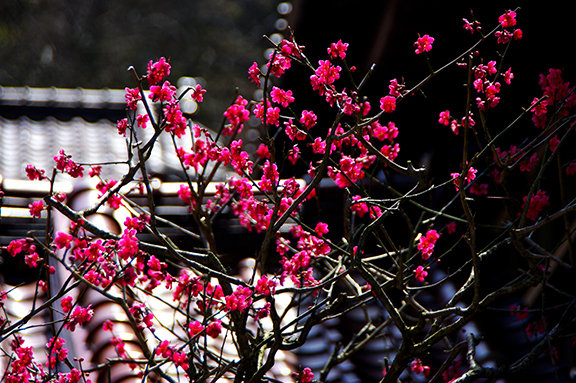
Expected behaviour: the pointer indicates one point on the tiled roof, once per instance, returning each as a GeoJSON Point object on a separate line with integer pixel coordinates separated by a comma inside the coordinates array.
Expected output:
{"type": "Point", "coordinates": [25, 141]}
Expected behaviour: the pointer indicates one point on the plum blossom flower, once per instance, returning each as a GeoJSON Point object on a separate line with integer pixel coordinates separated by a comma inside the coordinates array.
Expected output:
{"type": "Point", "coordinates": [282, 97]}
{"type": "Point", "coordinates": [214, 329]}
{"type": "Point", "coordinates": [444, 118]}
{"type": "Point", "coordinates": [197, 93]}
{"type": "Point", "coordinates": [537, 203]}
{"type": "Point", "coordinates": [132, 97]}
{"type": "Point", "coordinates": [417, 367]}
{"type": "Point", "coordinates": [34, 174]}
{"type": "Point", "coordinates": [63, 240]}
{"type": "Point", "coordinates": [163, 93]}
{"type": "Point", "coordinates": [427, 243]}
{"type": "Point", "coordinates": [423, 44]}
{"type": "Point", "coordinates": [388, 104]}
{"type": "Point", "coordinates": [308, 119]}
{"type": "Point", "coordinates": [158, 70]}
{"type": "Point", "coordinates": [195, 328]}
{"type": "Point", "coordinates": [338, 49]}
{"type": "Point", "coordinates": [265, 286]}
{"type": "Point", "coordinates": [80, 316]}
{"type": "Point", "coordinates": [508, 76]}
{"type": "Point", "coordinates": [36, 208]}
{"type": "Point", "coordinates": [254, 74]}
{"type": "Point", "coordinates": [420, 273]}
{"type": "Point", "coordinates": [508, 19]}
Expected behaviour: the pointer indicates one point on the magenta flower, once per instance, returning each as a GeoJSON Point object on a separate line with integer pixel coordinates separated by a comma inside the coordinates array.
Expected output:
{"type": "Point", "coordinates": [423, 44]}
{"type": "Point", "coordinates": [420, 273]}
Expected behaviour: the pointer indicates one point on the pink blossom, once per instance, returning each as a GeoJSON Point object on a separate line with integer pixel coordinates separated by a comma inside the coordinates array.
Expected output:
{"type": "Point", "coordinates": [108, 325]}
{"type": "Point", "coordinates": [390, 152]}
{"type": "Point", "coordinates": [63, 240]}
{"type": "Point", "coordinates": [66, 304]}
{"type": "Point", "coordinates": [265, 286]}
{"type": "Point", "coordinates": [508, 76]}
{"type": "Point", "coordinates": [239, 300]}
{"type": "Point", "coordinates": [537, 203]}
{"type": "Point", "coordinates": [535, 328]}
{"type": "Point", "coordinates": [142, 120]}
{"type": "Point", "coordinates": [157, 71]}
{"type": "Point", "coordinates": [326, 74]}
{"type": "Point", "coordinates": [388, 104]}
{"type": "Point", "coordinates": [307, 375]}
{"type": "Point", "coordinates": [308, 119]}
{"type": "Point", "coordinates": [214, 329]}
{"type": "Point", "coordinates": [395, 88]}
{"type": "Point", "coordinates": [444, 118]}
{"type": "Point", "coordinates": [338, 49]}
{"type": "Point", "coordinates": [282, 97]}
{"type": "Point", "coordinates": [318, 146]}
{"type": "Point", "coordinates": [528, 164]}
{"type": "Point", "coordinates": [95, 171]}
{"type": "Point", "coordinates": [263, 151]}
{"type": "Point", "coordinates": [128, 245]}
{"type": "Point", "coordinates": [554, 141]}
{"type": "Point", "coordinates": [34, 174]}
{"type": "Point", "coordinates": [237, 114]}
{"type": "Point", "coordinates": [294, 154]}
{"type": "Point", "coordinates": [417, 367]}
{"type": "Point", "coordinates": [508, 19]}
{"type": "Point", "coordinates": [571, 169]}
{"type": "Point", "coordinates": [175, 120]}
{"type": "Point", "coordinates": [518, 313]}
{"type": "Point", "coordinates": [451, 227]}
{"type": "Point", "coordinates": [132, 97]}
{"type": "Point", "coordinates": [195, 328]}
{"type": "Point", "coordinates": [321, 229]}
{"type": "Point", "coordinates": [420, 273]}
{"type": "Point", "coordinates": [427, 243]}
{"type": "Point", "coordinates": [163, 93]}
{"type": "Point", "coordinates": [36, 208]}
{"type": "Point", "coordinates": [272, 116]}
{"type": "Point", "coordinates": [468, 26]}
{"type": "Point", "coordinates": [254, 74]}
{"type": "Point", "coordinates": [423, 44]}
{"type": "Point", "coordinates": [197, 93]}
{"type": "Point", "coordinates": [79, 317]}
{"type": "Point", "coordinates": [121, 126]}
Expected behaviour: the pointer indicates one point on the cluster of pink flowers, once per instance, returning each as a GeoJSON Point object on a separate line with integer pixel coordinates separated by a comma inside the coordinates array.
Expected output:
{"type": "Point", "coordinates": [420, 273]}
{"type": "Point", "coordinates": [537, 203]}
{"type": "Point", "coordinates": [558, 94]}
{"type": "Point", "coordinates": [239, 300]}
{"type": "Point", "coordinates": [57, 351]}
{"type": "Point", "coordinates": [158, 70]}
{"type": "Point", "coordinates": [427, 242]}
{"type": "Point", "coordinates": [79, 316]}
{"type": "Point", "coordinates": [507, 20]}
{"type": "Point", "coordinates": [470, 176]}
{"type": "Point", "coordinates": [27, 246]}
{"type": "Point", "coordinates": [419, 368]}
{"type": "Point", "coordinates": [65, 164]}
{"type": "Point", "coordinates": [180, 359]}
{"type": "Point", "coordinates": [305, 376]}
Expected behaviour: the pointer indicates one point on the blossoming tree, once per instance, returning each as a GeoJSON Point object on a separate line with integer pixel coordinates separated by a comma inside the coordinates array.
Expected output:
{"type": "Point", "coordinates": [319, 276]}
